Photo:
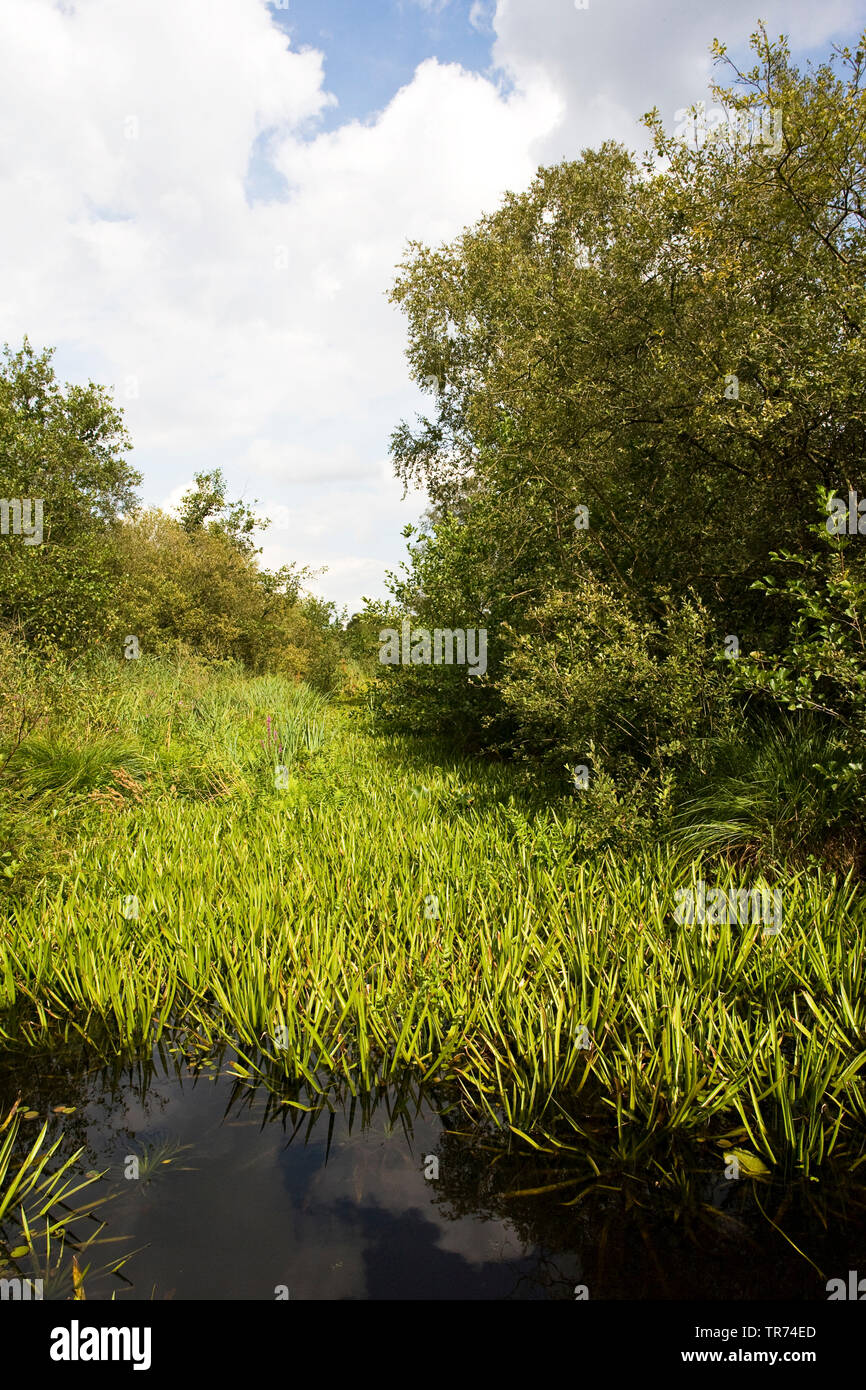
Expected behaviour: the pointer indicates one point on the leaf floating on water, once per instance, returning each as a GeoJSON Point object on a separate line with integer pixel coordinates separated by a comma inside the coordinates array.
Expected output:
{"type": "Point", "coordinates": [65, 1109]}
{"type": "Point", "coordinates": [548, 1187]}
{"type": "Point", "coordinates": [19, 1251]}
{"type": "Point", "coordinates": [31, 1114]}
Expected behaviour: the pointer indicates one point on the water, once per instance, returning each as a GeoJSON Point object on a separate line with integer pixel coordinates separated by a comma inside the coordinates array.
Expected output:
{"type": "Point", "coordinates": [241, 1196]}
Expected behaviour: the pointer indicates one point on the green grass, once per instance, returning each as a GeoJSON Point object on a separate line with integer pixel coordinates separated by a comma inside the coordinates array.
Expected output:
{"type": "Point", "coordinates": [45, 765]}
{"type": "Point", "coordinates": [559, 993]}
{"type": "Point", "coordinates": [40, 1227]}
{"type": "Point", "coordinates": [771, 796]}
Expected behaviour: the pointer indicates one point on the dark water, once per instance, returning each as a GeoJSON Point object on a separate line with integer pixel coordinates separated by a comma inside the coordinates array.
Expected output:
{"type": "Point", "coordinates": [239, 1195]}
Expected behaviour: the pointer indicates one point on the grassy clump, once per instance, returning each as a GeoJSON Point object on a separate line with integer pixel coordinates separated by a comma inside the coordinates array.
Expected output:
{"type": "Point", "coordinates": [785, 791]}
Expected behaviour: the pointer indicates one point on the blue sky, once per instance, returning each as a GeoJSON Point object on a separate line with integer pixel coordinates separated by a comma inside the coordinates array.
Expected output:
{"type": "Point", "coordinates": [372, 47]}
{"type": "Point", "coordinates": [370, 51]}
{"type": "Point", "coordinates": [205, 202]}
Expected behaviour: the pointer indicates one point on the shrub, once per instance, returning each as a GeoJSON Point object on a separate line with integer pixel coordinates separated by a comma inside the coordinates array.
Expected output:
{"type": "Point", "coordinates": [822, 667]}
{"type": "Point", "coordinates": [595, 684]}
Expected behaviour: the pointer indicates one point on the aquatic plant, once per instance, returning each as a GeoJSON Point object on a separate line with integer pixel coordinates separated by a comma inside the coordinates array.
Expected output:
{"type": "Point", "coordinates": [348, 926]}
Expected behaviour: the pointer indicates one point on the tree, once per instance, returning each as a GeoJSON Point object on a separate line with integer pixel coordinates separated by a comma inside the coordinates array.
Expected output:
{"type": "Point", "coordinates": [205, 507]}
{"type": "Point", "coordinates": [674, 346]}
{"type": "Point", "coordinates": [63, 447]}
{"type": "Point", "coordinates": [198, 587]}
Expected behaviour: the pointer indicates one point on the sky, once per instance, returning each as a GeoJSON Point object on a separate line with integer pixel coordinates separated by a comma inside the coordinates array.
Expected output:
{"type": "Point", "coordinates": [204, 203]}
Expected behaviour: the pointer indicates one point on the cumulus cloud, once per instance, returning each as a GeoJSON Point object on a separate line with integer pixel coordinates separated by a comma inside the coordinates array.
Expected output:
{"type": "Point", "coordinates": [617, 59]}
{"type": "Point", "coordinates": [253, 332]}
{"type": "Point", "coordinates": [248, 334]}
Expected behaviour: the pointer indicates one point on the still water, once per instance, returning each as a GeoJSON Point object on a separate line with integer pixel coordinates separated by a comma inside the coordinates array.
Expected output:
{"type": "Point", "coordinates": [216, 1189]}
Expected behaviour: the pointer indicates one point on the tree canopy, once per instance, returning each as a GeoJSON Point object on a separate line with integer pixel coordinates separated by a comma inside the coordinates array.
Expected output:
{"type": "Point", "coordinates": [649, 379]}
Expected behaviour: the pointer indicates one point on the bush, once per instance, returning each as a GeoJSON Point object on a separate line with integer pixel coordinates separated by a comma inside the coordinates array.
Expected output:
{"type": "Point", "coordinates": [594, 684]}
{"type": "Point", "coordinates": [822, 667]}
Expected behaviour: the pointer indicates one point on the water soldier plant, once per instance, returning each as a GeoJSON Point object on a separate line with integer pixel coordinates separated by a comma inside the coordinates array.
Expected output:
{"type": "Point", "coordinates": [557, 991]}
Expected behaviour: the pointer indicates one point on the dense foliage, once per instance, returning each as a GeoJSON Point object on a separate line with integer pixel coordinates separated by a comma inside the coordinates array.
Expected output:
{"type": "Point", "coordinates": [396, 908]}
{"type": "Point", "coordinates": [650, 394]}
{"type": "Point", "coordinates": [649, 385]}
{"type": "Point", "coordinates": [65, 449]}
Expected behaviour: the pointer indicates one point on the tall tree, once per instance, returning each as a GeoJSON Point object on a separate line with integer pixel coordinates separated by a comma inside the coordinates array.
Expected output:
{"type": "Point", "coordinates": [205, 507]}
{"type": "Point", "coordinates": [675, 345]}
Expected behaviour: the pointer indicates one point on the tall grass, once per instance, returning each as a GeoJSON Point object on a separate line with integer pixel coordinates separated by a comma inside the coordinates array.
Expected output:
{"type": "Point", "coordinates": [398, 911]}
{"type": "Point", "coordinates": [775, 795]}
{"type": "Point", "coordinates": [54, 765]}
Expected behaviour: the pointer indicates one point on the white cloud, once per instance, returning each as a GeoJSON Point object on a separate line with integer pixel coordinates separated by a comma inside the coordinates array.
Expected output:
{"type": "Point", "coordinates": [617, 59]}
{"type": "Point", "coordinates": [258, 338]}
{"type": "Point", "coordinates": [481, 14]}
{"type": "Point", "coordinates": [255, 338]}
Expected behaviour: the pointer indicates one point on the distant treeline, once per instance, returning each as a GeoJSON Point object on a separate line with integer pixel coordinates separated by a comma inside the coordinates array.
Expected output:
{"type": "Point", "coordinates": [106, 569]}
